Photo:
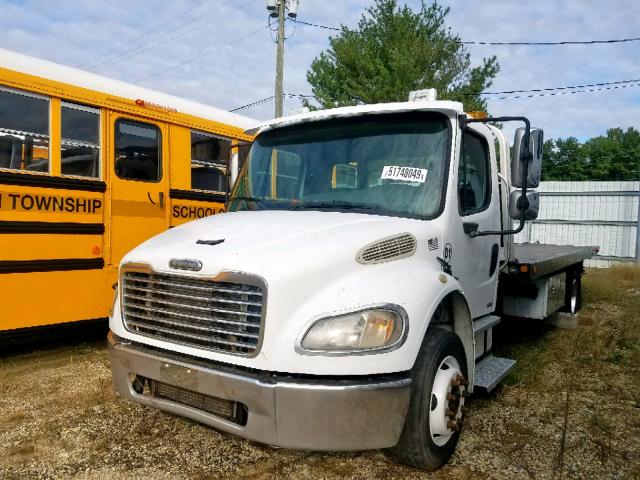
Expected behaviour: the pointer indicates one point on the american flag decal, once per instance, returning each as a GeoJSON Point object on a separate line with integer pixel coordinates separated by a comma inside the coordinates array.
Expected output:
{"type": "Point", "coordinates": [432, 244]}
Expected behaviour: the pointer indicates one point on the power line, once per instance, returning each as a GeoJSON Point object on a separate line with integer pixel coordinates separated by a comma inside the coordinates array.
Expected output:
{"type": "Point", "coordinates": [465, 42]}
{"type": "Point", "coordinates": [317, 25]}
{"type": "Point", "coordinates": [570, 92]}
{"type": "Point", "coordinates": [254, 104]}
{"type": "Point", "coordinates": [564, 42]}
{"type": "Point", "coordinates": [146, 33]}
{"type": "Point", "coordinates": [202, 55]}
{"type": "Point", "coordinates": [587, 85]}
{"type": "Point", "coordinates": [532, 90]}
{"type": "Point", "coordinates": [269, 99]}
{"type": "Point", "coordinates": [545, 92]}
{"type": "Point", "coordinates": [166, 37]}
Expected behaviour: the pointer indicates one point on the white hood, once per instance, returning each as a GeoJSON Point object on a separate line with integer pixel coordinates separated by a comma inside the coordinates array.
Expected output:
{"type": "Point", "coordinates": [270, 243]}
{"type": "Point", "coordinates": [308, 261]}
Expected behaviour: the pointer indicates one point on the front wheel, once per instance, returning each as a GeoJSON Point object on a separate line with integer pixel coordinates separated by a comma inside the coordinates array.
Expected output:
{"type": "Point", "coordinates": [434, 418]}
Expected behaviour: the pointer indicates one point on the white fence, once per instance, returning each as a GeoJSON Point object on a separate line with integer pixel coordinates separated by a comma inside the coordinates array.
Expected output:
{"type": "Point", "coordinates": [603, 214]}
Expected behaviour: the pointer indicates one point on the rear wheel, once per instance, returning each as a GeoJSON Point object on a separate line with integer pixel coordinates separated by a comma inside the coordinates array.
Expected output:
{"type": "Point", "coordinates": [434, 419]}
{"type": "Point", "coordinates": [573, 291]}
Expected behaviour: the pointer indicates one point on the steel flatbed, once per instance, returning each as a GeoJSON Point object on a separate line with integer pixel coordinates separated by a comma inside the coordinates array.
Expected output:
{"type": "Point", "coordinates": [537, 260]}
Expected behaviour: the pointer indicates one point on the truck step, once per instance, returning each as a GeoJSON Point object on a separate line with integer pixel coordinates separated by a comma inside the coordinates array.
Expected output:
{"type": "Point", "coordinates": [491, 370]}
{"type": "Point", "coordinates": [485, 323]}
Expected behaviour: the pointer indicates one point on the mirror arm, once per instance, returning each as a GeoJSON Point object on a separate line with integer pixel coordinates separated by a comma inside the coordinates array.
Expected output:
{"type": "Point", "coordinates": [523, 200]}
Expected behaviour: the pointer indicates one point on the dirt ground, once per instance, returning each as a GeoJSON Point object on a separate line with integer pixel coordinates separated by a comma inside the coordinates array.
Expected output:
{"type": "Point", "coordinates": [571, 409]}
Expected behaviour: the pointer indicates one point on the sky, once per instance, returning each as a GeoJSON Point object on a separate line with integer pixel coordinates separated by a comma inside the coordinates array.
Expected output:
{"type": "Point", "coordinates": [222, 53]}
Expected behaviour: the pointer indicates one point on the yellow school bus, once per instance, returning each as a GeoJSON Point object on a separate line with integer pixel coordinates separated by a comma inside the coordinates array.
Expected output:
{"type": "Point", "coordinates": [89, 168]}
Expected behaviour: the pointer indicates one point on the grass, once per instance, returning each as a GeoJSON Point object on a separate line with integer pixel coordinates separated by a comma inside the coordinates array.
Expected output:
{"type": "Point", "coordinates": [608, 332]}
{"type": "Point", "coordinates": [568, 410]}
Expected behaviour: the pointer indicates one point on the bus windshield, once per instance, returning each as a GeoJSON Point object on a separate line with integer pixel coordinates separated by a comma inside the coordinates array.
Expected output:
{"type": "Point", "coordinates": [386, 164]}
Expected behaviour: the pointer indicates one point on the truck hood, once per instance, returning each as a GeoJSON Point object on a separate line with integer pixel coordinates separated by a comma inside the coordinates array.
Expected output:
{"type": "Point", "coordinates": [308, 261]}
{"type": "Point", "coordinates": [270, 243]}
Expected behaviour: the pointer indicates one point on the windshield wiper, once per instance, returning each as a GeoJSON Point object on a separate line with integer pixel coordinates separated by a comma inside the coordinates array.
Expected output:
{"type": "Point", "coordinates": [249, 199]}
{"type": "Point", "coordinates": [334, 204]}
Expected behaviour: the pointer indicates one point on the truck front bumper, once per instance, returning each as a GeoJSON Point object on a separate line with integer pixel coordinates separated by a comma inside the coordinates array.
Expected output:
{"type": "Point", "coordinates": [280, 410]}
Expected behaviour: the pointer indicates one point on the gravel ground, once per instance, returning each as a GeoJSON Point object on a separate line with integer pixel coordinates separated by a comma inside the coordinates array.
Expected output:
{"type": "Point", "coordinates": [571, 409]}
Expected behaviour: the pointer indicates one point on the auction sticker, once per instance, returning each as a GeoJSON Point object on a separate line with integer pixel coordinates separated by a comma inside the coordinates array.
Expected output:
{"type": "Point", "coordinates": [405, 174]}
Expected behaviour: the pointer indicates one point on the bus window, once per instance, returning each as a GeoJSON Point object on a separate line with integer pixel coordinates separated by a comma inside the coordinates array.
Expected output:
{"type": "Point", "coordinates": [209, 162]}
{"type": "Point", "coordinates": [137, 149]}
{"type": "Point", "coordinates": [287, 170]}
{"type": "Point", "coordinates": [344, 175]}
{"type": "Point", "coordinates": [80, 140]}
{"type": "Point", "coordinates": [24, 131]}
{"type": "Point", "coordinates": [243, 153]}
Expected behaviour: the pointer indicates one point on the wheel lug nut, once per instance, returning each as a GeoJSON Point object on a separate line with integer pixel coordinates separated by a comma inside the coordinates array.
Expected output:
{"type": "Point", "coordinates": [453, 426]}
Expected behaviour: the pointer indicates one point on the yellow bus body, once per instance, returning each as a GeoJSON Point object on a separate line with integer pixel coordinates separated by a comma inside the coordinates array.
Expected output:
{"type": "Point", "coordinates": [62, 236]}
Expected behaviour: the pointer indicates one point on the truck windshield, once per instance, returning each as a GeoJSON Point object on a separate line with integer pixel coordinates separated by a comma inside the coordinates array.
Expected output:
{"type": "Point", "coordinates": [389, 164]}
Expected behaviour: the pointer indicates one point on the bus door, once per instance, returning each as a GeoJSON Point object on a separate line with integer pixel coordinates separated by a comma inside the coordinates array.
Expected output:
{"type": "Point", "coordinates": [138, 186]}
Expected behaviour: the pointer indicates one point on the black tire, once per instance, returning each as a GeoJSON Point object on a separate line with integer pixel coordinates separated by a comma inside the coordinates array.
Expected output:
{"type": "Point", "coordinates": [416, 446]}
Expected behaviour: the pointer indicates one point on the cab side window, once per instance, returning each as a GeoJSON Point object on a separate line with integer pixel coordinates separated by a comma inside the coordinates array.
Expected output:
{"type": "Point", "coordinates": [24, 131]}
{"type": "Point", "coordinates": [474, 175]}
{"type": "Point", "coordinates": [138, 151]}
{"type": "Point", "coordinates": [209, 162]}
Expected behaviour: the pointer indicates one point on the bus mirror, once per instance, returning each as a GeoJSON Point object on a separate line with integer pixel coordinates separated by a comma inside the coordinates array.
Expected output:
{"type": "Point", "coordinates": [518, 161]}
{"type": "Point", "coordinates": [531, 205]}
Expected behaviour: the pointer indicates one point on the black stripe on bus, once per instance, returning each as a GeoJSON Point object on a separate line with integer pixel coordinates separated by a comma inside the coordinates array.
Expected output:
{"type": "Point", "coordinates": [46, 181]}
{"type": "Point", "coordinates": [55, 265]}
{"type": "Point", "coordinates": [200, 196]}
{"type": "Point", "coordinates": [63, 228]}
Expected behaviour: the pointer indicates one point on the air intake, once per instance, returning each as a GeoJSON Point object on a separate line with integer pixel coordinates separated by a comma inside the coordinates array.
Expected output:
{"type": "Point", "coordinates": [388, 249]}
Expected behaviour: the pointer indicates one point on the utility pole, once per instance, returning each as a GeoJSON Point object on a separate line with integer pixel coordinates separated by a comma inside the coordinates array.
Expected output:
{"type": "Point", "coordinates": [280, 59]}
{"type": "Point", "coordinates": [279, 9]}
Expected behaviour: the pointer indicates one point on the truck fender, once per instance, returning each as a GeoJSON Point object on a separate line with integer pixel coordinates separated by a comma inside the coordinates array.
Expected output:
{"type": "Point", "coordinates": [452, 292]}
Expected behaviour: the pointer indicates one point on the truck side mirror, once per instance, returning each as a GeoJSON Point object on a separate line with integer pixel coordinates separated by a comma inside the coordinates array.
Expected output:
{"type": "Point", "coordinates": [536, 140]}
{"type": "Point", "coordinates": [531, 205]}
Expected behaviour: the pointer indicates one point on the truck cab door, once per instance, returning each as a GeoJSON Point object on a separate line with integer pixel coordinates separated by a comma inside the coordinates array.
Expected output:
{"type": "Point", "coordinates": [474, 260]}
{"type": "Point", "coordinates": [138, 182]}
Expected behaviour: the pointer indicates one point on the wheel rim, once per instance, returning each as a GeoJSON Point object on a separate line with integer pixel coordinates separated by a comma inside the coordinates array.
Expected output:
{"type": "Point", "coordinates": [573, 301]}
{"type": "Point", "coordinates": [447, 401]}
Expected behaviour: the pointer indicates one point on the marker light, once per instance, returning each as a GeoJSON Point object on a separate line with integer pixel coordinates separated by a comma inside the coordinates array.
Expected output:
{"type": "Point", "coordinates": [362, 331]}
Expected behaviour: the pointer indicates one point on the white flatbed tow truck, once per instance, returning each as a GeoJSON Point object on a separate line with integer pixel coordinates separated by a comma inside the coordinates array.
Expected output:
{"type": "Point", "coordinates": [347, 299]}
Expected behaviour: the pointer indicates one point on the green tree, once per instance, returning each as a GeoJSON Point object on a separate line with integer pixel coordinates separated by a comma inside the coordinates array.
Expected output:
{"type": "Point", "coordinates": [393, 51]}
{"type": "Point", "coordinates": [614, 156]}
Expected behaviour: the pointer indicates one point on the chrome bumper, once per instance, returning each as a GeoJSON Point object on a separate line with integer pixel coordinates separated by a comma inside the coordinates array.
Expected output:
{"type": "Point", "coordinates": [301, 414]}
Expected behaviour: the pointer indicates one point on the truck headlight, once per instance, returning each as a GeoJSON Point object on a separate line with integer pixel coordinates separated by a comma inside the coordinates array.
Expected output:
{"type": "Point", "coordinates": [368, 330]}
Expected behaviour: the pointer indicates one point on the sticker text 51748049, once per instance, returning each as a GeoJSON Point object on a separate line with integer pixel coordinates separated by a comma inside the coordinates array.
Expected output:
{"type": "Point", "coordinates": [404, 174]}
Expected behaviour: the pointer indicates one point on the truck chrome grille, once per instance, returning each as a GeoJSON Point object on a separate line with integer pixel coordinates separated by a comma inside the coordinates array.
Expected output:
{"type": "Point", "coordinates": [213, 315]}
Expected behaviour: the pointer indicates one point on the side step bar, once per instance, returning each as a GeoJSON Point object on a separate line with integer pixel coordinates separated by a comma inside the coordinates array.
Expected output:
{"type": "Point", "coordinates": [483, 324]}
{"type": "Point", "coordinates": [490, 371]}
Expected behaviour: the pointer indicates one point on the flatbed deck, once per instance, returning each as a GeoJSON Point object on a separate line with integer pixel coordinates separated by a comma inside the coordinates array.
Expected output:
{"type": "Point", "coordinates": [536, 260]}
